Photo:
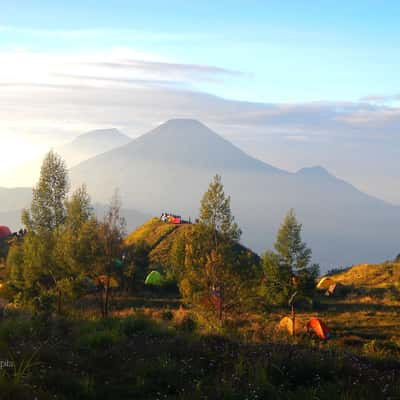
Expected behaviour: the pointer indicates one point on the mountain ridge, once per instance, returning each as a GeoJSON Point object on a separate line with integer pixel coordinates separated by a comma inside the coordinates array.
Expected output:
{"type": "Point", "coordinates": [171, 140]}
{"type": "Point", "coordinates": [171, 166]}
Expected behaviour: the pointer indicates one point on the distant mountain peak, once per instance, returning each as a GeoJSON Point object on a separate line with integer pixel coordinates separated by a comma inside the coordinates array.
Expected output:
{"type": "Point", "coordinates": [103, 134]}
{"type": "Point", "coordinates": [183, 128]}
{"type": "Point", "coordinates": [315, 170]}
{"type": "Point", "coordinates": [189, 142]}
{"type": "Point", "coordinates": [183, 121]}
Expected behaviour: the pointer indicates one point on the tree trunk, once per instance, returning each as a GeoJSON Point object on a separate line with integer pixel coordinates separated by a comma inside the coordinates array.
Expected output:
{"type": "Point", "coordinates": [221, 303]}
{"type": "Point", "coordinates": [101, 302]}
{"type": "Point", "coordinates": [107, 295]}
{"type": "Point", "coordinates": [59, 302]}
{"type": "Point", "coordinates": [293, 321]}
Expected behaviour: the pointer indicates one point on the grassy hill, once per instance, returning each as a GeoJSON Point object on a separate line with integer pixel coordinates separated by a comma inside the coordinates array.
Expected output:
{"type": "Point", "coordinates": [379, 276]}
{"type": "Point", "coordinates": [161, 236]}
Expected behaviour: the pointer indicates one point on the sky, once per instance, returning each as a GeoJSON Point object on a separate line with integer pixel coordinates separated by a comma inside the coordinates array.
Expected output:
{"type": "Point", "coordinates": [295, 83]}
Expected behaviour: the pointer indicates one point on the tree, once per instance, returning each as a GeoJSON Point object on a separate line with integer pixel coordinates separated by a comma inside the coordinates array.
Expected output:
{"type": "Point", "coordinates": [289, 270]}
{"type": "Point", "coordinates": [215, 213]}
{"type": "Point", "coordinates": [75, 245]}
{"type": "Point", "coordinates": [216, 274]}
{"type": "Point", "coordinates": [292, 251]}
{"type": "Point", "coordinates": [136, 264]}
{"type": "Point", "coordinates": [47, 210]}
{"type": "Point", "coordinates": [79, 209]}
{"type": "Point", "coordinates": [111, 234]}
{"type": "Point", "coordinates": [32, 264]}
{"type": "Point", "coordinates": [278, 277]}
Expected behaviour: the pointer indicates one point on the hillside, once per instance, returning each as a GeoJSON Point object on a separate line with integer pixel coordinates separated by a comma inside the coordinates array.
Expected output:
{"type": "Point", "coordinates": [172, 165]}
{"type": "Point", "coordinates": [379, 276]}
{"type": "Point", "coordinates": [160, 237]}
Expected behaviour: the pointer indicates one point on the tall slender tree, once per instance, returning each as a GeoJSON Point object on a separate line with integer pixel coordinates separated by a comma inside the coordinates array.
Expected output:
{"type": "Point", "coordinates": [216, 273]}
{"type": "Point", "coordinates": [111, 234]}
{"type": "Point", "coordinates": [47, 210]}
{"type": "Point", "coordinates": [216, 215]}
{"type": "Point", "coordinates": [36, 267]}
{"type": "Point", "coordinates": [289, 270]}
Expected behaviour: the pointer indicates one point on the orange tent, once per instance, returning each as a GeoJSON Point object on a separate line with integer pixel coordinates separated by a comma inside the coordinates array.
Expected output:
{"type": "Point", "coordinates": [318, 327]}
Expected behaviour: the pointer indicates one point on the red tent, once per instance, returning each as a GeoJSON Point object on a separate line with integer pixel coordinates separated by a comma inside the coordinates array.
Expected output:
{"type": "Point", "coordinates": [318, 327]}
{"type": "Point", "coordinates": [4, 232]}
{"type": "Point", "coordinates": [176, 220]}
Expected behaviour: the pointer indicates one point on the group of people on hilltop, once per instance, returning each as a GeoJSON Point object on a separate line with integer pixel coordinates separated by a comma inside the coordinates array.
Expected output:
{"type": "Point", "coordinates": [171, 218]}
{"type": "Point", "coordinates": [20, 234]}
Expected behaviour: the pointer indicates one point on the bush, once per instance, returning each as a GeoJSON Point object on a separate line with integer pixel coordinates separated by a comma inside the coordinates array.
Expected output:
{"type": "Point", "coordinates": [100, 339]}
{"type": "Point", "coordinates": [140, 324]}
{"type": "Point", "coordinates": [167, 315]}
{"type": "Point", "coordinates": [187, 324]}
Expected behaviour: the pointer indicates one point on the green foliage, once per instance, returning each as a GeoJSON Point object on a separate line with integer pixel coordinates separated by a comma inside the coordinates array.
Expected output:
{"type": "Point", "coordinates": [293, 252]}
{"type": "Point", "coordinates": [48, 209]}
{"type": "Point", "coordinates": [289, 270]}
{"type": "Point", "coordinates": [215, 212]}
{"type": "Point", "coordinates": [65, 245]}
{"type": "Point", "coordinates": [277, 288]}
{"type": "Point", "coordinates": [218, 274]}
{"type": "Point", "coordinates": [136, 263]}
{"type": "Point", "coordinates": [15, 262]}
{"type": "Point", "coordinates": [177, 257]}
{"type": "Point", "coordinates": [47, 266]}
{"type": "Point", "coordinates": [79, 209]}
{"type": "Point", "coordinates": [109, 247]}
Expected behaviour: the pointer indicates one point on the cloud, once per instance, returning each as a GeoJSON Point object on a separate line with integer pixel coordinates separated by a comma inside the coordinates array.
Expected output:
{"type": "Point", "coordinates": [380, 98]}
{"type": "Point", "coordinates": [119, 66]}
{"type": "Point", "coordinates": [196, 70]}
{"type": "Point", "coordinates": [53, 98]}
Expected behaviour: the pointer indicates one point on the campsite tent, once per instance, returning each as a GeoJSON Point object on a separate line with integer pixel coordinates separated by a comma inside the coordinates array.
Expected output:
{"type": "Point", "coordinates": [286, 324]}
{"type": "Point", "coordinates": [119, 264]}
{"type": "Point", "coordinates": [154, 278]}
{"type": "Point", "coordinates": [5, 232]}
{"type": "Point", "coordinates": [316, 326]}
{"type": "Point", "coordinates": [325, 282]}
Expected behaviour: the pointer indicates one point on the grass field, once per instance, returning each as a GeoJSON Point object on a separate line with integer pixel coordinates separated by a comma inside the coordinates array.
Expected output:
{"type": "Point", "coordinates": [153, 348]}
{"type": "Point", "coordinates": [158, 353]}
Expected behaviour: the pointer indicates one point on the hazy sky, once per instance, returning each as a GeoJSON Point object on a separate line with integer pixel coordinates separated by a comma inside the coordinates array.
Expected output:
{"type": "Point", "coordinates": [295, 83]}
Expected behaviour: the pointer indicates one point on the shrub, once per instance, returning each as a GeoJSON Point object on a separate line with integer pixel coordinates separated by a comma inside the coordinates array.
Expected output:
{"type": "Point", "coordinates": [187, 324]}
{"type": "Point", "coordinates": [167, 315]}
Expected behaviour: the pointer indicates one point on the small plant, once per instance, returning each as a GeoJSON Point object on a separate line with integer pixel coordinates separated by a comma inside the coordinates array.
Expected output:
{"type": "Point", "coordinates": [21, 369]}
{"type": "Point", "coordinates": [167, 315]}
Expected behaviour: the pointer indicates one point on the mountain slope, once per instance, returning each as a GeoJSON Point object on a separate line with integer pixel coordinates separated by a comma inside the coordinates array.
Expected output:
{"type": "Point", "coordinates": [82, 148]}
{"type": "Point", "coordinates": [170, 168]}
{"type": "Point", "coordinates": [379, 276]}
{"type": "Point", "coordinates": [161, 236]}
{"type": "Point", "coordinates": [91, 144]}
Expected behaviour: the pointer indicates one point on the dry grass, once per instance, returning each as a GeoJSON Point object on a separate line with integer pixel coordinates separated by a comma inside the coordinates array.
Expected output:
{"type": "Point", "coordinates": [370, 275]}
{"type": "Point", "coordinates": [151, 232]}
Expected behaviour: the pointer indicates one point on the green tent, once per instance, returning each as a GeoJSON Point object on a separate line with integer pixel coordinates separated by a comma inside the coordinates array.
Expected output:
{"type": "Point", "coordinates": [118, 263]}
{"type": "Point", "coordinates": [154, 278]}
